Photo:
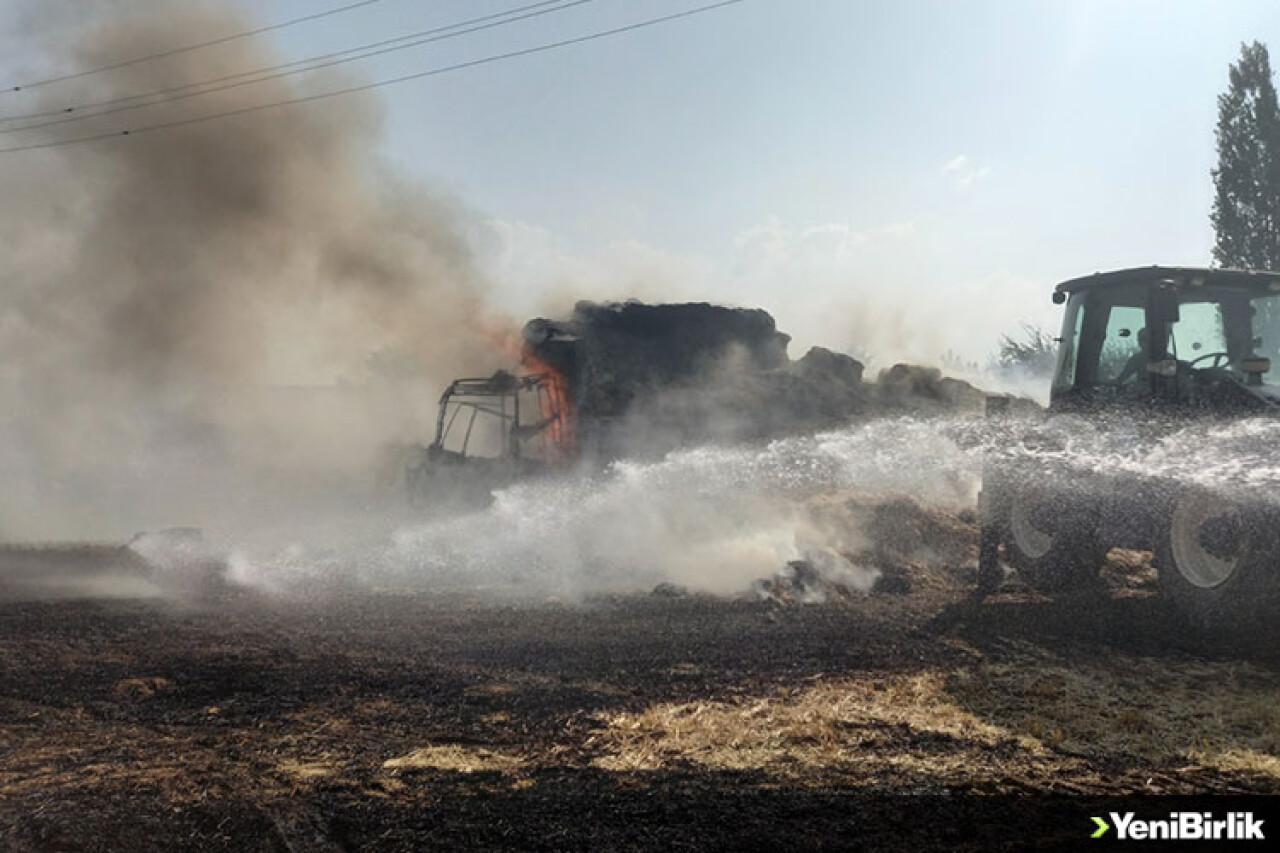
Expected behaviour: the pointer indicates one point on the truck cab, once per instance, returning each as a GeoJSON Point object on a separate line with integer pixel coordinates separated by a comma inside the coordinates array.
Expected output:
{"type": "Point", "coordinates": [490, 432]}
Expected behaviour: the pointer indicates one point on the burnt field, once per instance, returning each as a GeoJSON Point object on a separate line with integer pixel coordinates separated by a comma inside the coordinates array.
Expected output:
{"type": "Point", "coordinates": [902, 717]}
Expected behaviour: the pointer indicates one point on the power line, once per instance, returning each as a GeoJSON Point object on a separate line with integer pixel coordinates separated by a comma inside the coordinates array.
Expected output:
{"type": "Point", "coordinates": [188, 48]}
{"type": "Point", "coordinates": [262, 75]}
{"type": "Point", "coordinates": [62, 111]}
{"type": "Point", "coordinates": [379, 84]}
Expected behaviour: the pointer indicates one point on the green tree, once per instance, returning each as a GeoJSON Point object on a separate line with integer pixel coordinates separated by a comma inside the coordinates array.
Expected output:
{"type": "Point", "coordinates": [1246, 208]}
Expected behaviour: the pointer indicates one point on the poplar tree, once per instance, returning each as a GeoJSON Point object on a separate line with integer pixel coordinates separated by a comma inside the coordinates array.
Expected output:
{"type": "Point", "coordinates": [1246, 207]}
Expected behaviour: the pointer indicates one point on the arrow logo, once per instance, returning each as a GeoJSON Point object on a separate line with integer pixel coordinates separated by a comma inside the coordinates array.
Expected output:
{"type": "Point", "coordinates": [1103, 826]}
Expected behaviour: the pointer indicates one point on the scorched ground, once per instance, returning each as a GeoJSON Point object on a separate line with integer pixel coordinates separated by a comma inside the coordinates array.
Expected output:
{"type": "Point", "coordinates": [398, 720]}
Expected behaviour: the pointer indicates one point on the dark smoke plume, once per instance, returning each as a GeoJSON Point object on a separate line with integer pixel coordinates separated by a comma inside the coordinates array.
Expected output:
{"type": "Point", "coordinates": [168, 296]}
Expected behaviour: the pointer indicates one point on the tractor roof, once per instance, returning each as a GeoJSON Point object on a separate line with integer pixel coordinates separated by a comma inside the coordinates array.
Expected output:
{"type": "Point", "coordinates": [1178, 275]}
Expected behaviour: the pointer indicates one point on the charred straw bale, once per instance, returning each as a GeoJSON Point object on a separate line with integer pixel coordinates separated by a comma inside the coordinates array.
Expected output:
{"type": "Point", "coordinates": [649, 377]}
{"type": "Point", "coordinates": [915, 388]}
{"type": "Point", "coordinates": [613, 353]}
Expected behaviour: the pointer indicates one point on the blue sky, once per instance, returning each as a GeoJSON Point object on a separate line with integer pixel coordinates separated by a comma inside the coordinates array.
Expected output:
{"type": "Point", "coordinates": [872, 173]}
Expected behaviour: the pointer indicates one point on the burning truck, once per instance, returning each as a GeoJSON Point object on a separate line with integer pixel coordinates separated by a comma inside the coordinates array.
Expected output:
{"type": "Point", "coordinates": [626, 379]}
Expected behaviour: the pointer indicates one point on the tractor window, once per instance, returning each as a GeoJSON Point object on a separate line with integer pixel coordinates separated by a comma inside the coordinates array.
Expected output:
{"type": "Point", "coordinates": [1120, 344]}
{"type": "Point", "coordinates": [1199, 332]}
{"type": "Point", "coordinates": [1099, 337]}
{"type": "Point", "coordinates": [1065, 372]}
{"type": "Point", "coordinates": [1266, 333]}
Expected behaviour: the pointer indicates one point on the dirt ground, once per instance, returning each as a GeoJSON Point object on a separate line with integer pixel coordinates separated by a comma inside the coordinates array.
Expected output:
{"type": "Point", "coordinates": [898, 719]}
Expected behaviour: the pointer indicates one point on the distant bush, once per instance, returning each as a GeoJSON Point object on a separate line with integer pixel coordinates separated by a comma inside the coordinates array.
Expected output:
{"type": "Point", "coordinates": [1033, 352]}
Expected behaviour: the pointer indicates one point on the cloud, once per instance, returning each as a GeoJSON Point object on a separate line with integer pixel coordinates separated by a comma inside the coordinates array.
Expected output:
{"type": "Point", "coordinates": [773, 242]}
{"type": "Point", "coordinates": [963, 173]}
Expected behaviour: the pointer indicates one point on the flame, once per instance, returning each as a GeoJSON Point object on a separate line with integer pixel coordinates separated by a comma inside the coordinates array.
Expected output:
{"type": "Point", "coordinates": [562, 432]}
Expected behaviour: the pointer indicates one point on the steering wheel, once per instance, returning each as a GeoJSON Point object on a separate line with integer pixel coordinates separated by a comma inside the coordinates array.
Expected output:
{"type": "Point", "coordinates": [1220, 359]}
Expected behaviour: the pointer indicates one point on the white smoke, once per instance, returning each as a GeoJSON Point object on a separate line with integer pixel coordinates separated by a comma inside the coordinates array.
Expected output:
{"type": "Point", "coordinates": [711, 519]}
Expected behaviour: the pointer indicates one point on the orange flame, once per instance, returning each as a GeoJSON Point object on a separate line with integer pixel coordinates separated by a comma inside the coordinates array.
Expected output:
{"type": "Point", "coordinates": [562, 432]}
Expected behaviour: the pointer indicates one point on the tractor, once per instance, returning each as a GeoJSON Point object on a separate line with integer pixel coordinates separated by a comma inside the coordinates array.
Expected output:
{"type": "Point", "coordinates": [1147, 357]}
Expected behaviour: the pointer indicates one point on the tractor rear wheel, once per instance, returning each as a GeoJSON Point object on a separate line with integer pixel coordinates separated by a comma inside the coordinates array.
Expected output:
{"type": "Point", "coordinates": [1218, 560]}
{"type": "Point", "coordinates": [1049, 541]}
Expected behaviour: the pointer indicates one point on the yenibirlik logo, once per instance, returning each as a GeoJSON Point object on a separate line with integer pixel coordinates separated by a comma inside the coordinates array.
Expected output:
{"type": "Point", "coordinates": [1182, 826]}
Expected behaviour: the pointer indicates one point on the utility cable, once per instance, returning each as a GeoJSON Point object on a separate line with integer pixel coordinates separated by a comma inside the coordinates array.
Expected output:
{"type": "Point", "coordinates": [188, 48]}
{"type": "Point", "coordinates": [350, 90]}
{"type": "Point", "coordinates": [268, 73]}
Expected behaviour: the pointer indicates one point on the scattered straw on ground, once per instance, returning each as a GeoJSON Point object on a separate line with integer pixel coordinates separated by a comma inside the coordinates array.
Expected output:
{"type": "Point", "coordinates": [456, 758]}
{"type": "Point", "coordinates": [1031, 712]}
{"type": "Point", "coordinates": [306, 769]}
{"type": "Point", "coordinates": [899, 725]}
{"type": "Point", "coordinates": [1169, 712]}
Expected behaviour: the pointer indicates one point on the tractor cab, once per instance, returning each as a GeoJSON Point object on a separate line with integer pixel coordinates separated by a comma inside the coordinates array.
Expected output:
{"type": "Point", "coordinates": [1170, 337]}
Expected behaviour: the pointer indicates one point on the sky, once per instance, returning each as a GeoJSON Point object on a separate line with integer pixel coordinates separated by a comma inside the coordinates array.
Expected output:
{"type": "Point", "coordinates": [901, 180]}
